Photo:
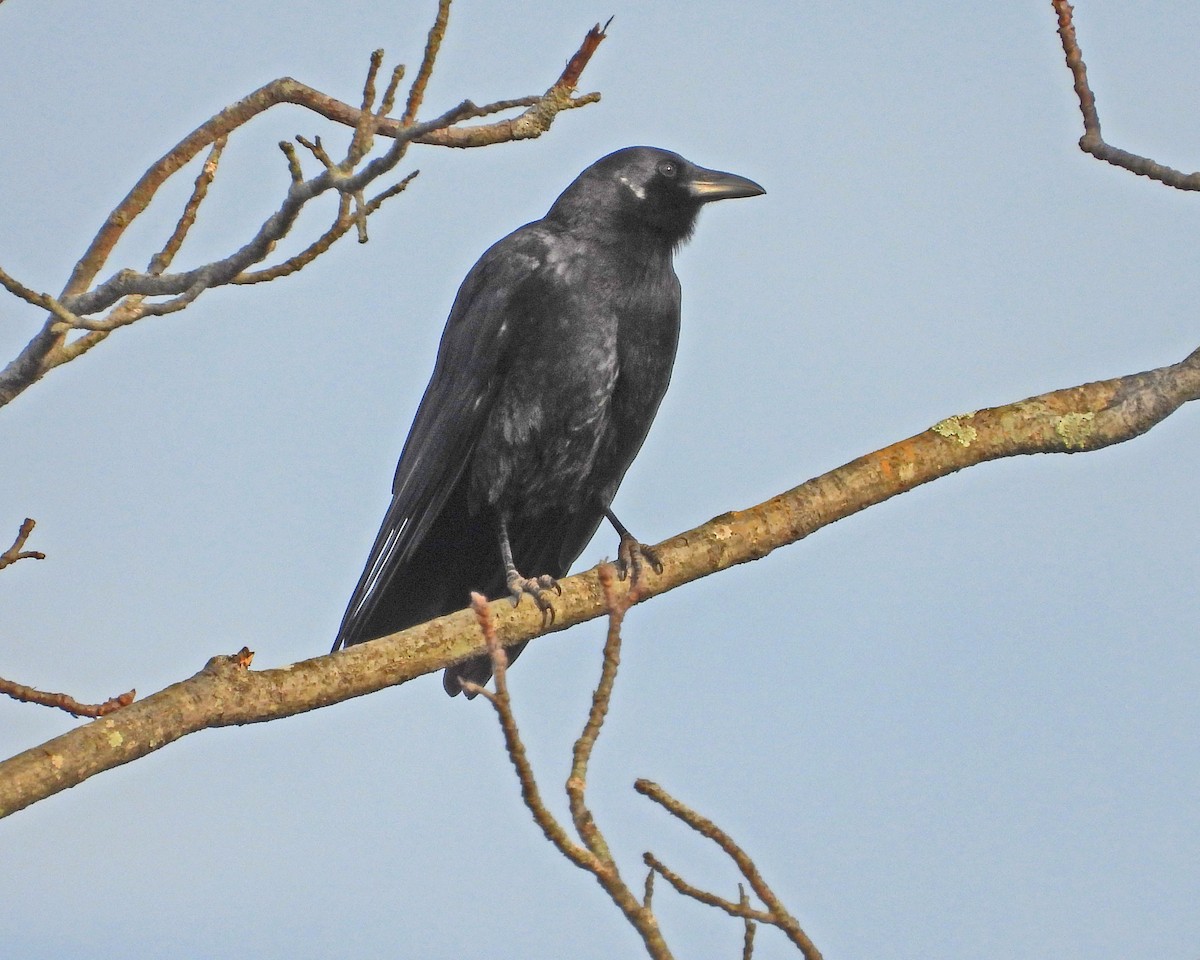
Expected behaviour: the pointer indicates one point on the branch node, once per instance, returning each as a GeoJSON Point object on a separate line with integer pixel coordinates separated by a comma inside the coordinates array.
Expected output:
{"type": "Point", "coordinates": [17, 551]}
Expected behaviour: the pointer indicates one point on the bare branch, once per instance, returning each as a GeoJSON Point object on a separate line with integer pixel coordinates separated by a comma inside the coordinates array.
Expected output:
{"type": "Point", "coordinates": [389, 95]}
{"type": "Point", "coordinates": [317, 149]}
{"type": "Point", "coordinates": [80, 301]}
{"type": "Point", "coordinates": [433, 44]}
{"type": "Point", "coordinates": [293, 161]}
{"type": "Point", "coordinates": [345, 219]}
{"type": "Point", "coordinates": [17, 551]}
{"type": "Point", "coordinates": [190, 284]}
{"type": "Point", "coordinates": [43, 300]}
{"type": "Point", "coordinates": [1092, 142]}
{"type": "Point", "coordinates": [360, 144]}
{"type": "Point", "coordinates": [740, 910]}
{"type": "Point", "coordinates": [594, 856]}
{"type": "Point", "coordinates": [64, 701]}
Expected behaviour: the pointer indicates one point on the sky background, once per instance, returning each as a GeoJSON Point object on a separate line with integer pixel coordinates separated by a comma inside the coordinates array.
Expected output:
{"type": "Point", "coordinates": [962, 724]}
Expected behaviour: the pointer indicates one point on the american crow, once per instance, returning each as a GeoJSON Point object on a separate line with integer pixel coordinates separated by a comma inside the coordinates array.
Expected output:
{"type": "Point", "coordinates": [556, 354]}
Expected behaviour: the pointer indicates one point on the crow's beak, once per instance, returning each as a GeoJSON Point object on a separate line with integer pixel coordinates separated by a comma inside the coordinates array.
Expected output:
{"type": "Point", "coordinates": [706, 185]}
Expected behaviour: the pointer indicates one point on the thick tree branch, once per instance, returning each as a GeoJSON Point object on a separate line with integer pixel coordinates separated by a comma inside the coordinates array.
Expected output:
{"type": "Point", "coordinates": [1073, 420]}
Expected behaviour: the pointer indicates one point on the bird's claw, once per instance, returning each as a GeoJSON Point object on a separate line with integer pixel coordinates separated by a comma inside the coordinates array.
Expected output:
{"type": "Point", "coordinates": [536, 587]}
{"type": "Point", "coordinates": [630, 555]}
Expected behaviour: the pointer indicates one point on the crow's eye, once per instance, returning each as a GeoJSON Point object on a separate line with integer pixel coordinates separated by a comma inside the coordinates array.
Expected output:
{"type": "Point", "coordinates": [668, 168]}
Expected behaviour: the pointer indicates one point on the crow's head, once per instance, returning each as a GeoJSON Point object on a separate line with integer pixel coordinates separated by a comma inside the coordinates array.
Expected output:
{"type": "Point", "coordinates": [645, 190]}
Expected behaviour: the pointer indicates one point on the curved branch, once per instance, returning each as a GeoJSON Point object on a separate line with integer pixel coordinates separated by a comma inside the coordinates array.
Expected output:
{"type": "Point", "coordinates": [1092, 141]}
{"type": "Point", "coordinates": [1073, 420]}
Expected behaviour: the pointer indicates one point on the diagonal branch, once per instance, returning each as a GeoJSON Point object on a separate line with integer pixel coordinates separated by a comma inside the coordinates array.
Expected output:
{"type": "Point", "coordinates": [1073, 420]}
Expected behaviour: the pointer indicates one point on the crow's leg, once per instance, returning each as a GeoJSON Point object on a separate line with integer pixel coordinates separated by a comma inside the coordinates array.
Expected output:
{"type": "Point", "coordinates": [632, 552]}
{"type": "Point", "coordinates": [518, 586]}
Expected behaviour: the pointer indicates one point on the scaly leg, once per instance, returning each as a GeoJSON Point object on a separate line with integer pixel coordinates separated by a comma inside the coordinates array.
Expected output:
{"type": "Point", "coordinates": [518, 586]}
{"type": "Point", "coordinates": [632, 552]}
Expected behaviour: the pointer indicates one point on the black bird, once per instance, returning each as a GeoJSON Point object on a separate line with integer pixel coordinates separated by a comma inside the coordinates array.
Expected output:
{"type": "Point", "coordinates": [556, 354]}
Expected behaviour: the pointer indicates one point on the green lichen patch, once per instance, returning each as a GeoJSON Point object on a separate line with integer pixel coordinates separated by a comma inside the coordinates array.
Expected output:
{"type": "Point", "coordinates": [957, 429]}
{"type": "Point", "coordinates": [1075, 429]}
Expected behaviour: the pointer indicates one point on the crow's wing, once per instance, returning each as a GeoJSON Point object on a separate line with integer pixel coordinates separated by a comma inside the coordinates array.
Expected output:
{"type": "Point", "coordinates": [491, 304]}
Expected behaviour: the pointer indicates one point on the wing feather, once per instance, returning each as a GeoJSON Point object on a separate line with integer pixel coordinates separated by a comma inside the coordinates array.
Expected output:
{"type": "Point", "coordinates": [452, 412]}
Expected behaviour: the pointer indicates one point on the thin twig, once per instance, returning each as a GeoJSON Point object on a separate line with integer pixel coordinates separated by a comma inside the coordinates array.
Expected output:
{"type": "Point", "coordinates": [1092, 141]}
{"type": "Point", "coordinates": [437, 33]}
{"type": "Point", "coordinates": [594, 857]}
{"type": "Point", "coordinates": [341, 223]}
{"type": "Point", "coordinates": [293, 161]}
{"type": "Point", "coordinates": [360, 143]}
{"type": "Point", "coordinates": [502, 703]}
{"type": "Point", "coordinates": [581, 755]}
{"type": "Point", "coordinates": [389, 95]}
{"type": "Point", "coordinates": [683, 888]}
{"type": "Point", "coordinates": [748, 936]}
{"type": "Point", "coordinates": [64, 701]}
{"type": "Point", "coordinates": [163, 259]}
{"type": "Point", "coordinates": [317, 149]}
{"type": "Point", "coordinates": [43, 300]}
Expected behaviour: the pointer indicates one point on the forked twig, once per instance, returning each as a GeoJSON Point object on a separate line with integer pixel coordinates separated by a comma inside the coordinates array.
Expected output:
{"type": "Point", "coordinates": [594, 855]}
{"type": "Point", "coordinates": [776, 914]}
{"type": "Point", "coordinates": [17, 551]}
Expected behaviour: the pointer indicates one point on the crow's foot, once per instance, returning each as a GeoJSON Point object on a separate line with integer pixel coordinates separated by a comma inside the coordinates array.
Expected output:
{"type": "Point", "coordinates": [536, 587]}
{"type": "Point", "coordinates": [630, 555]}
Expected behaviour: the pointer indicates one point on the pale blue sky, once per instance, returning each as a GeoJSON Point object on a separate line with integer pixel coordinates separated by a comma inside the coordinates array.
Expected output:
{"type": "Point", "coordinates": [960, 725]}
